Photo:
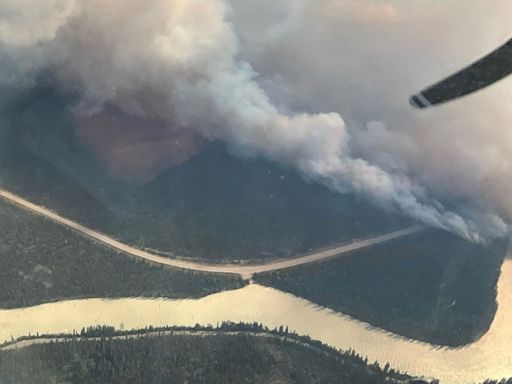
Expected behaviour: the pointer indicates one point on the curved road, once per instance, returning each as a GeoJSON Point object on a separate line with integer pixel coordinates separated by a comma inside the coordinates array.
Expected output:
{"type": "Point", "coordinates": [245, 271]}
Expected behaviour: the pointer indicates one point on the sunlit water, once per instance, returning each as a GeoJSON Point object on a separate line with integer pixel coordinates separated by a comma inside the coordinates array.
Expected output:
{"type": "Point", "coordinates": [489, 357]}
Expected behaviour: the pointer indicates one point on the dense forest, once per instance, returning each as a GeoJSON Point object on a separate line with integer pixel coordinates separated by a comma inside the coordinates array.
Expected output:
{"type": "Point", "coordinates": [41, 262]}
{"type": "Point", "coordinates": [432, 286]}
{"type": "Point", "coordinates": [230, 353]}
{"type": "Point", "coordinates": [216, 207]}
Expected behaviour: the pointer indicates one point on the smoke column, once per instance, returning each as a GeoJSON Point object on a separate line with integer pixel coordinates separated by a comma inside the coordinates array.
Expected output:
{"type": "Point", "coordinates": [181, 61]}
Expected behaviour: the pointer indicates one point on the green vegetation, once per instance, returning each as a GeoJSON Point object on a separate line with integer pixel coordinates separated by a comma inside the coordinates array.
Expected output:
{"type": "Point", "coordinates": [215, 207]}
{"type": "Point", "coordinates": [42, 262]}
{"type": "Point", "coordinates": [232, 353]}
{"type": "Point", "coordinates": [432, 286]}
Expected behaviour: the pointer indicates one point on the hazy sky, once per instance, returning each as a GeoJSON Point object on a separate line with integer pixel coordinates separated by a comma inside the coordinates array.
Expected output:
{"type": "Point", "coordinates": [363, 59]}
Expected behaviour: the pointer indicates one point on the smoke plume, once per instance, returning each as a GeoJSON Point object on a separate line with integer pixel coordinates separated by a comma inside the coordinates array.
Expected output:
{"type": "Point", "coordinates": [274, 78]}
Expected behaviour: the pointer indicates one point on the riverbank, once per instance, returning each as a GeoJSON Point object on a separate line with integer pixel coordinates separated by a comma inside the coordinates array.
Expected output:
{"type": "Point", "coordinates": [229, 353]}
{"type": "Point", "coordinates": [489, 357]}
{"type": "Point", "coordinates": [43, 262]}
{"type": "Point", "coordinates": [431, 286]}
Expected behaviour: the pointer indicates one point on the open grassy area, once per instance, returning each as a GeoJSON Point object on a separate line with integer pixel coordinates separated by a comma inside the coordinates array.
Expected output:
{"type": "Point", "coordinates": [432, 286]}
{"type": "Point", "coordinates": [42, 262]}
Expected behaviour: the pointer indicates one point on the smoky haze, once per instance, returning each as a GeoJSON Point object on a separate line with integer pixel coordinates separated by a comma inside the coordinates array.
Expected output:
{"type": "Point", "coordinates": [321, 86]}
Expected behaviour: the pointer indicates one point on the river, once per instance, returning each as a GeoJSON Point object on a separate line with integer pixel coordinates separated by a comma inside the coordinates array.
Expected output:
{"type": "Point", "coordinates": [489, 357]}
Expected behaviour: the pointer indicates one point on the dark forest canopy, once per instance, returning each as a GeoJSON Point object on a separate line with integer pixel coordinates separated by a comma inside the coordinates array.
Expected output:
{"type": "Point", "coordinates": [42, 262]}
{"type": "Point", "coordinates": [216, 207]}
{"type": "Point", "coordinates": [228, 353]}
{"type": "Point", "coordinates": [432, 286]}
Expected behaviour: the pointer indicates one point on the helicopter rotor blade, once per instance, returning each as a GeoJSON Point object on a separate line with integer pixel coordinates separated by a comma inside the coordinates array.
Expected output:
{"type": "Point", "coordinates": [484, 72]}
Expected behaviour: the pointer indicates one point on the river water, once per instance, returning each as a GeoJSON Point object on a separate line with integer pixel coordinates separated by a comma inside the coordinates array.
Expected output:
{"type": "Point", "coordinates": [489, 357]}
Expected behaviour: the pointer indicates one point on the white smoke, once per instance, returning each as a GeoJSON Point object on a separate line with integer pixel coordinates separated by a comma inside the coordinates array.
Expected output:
{"type": "Point", "coordinates": [33, 21]}
{"type": "Point", "coordinates": [180, 60]}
